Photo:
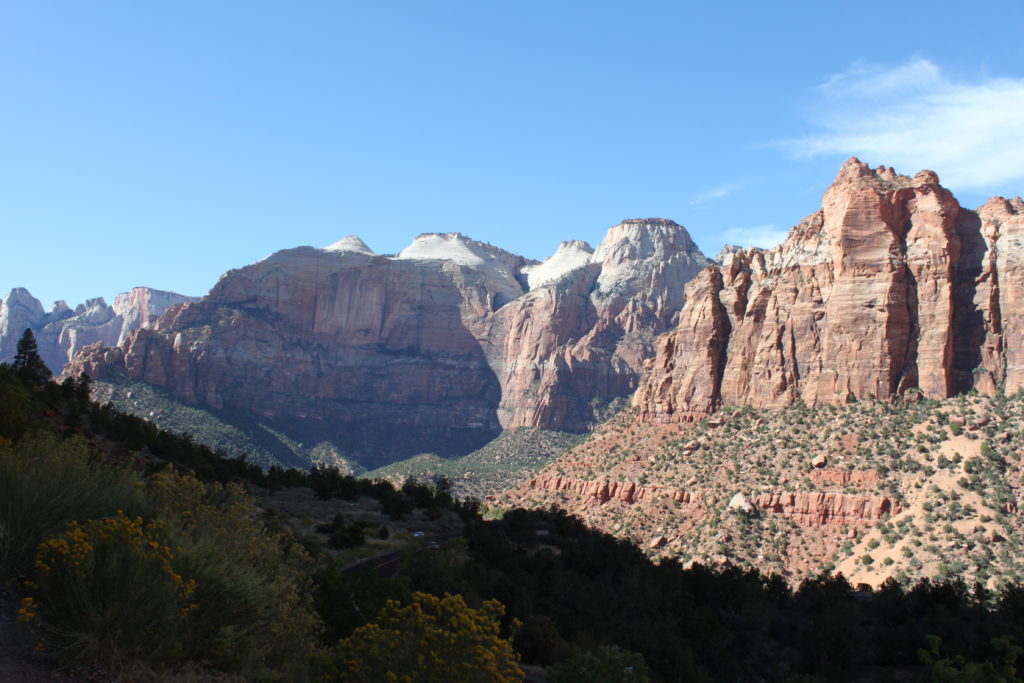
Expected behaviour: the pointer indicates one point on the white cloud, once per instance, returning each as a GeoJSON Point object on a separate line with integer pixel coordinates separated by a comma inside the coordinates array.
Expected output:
{"type": "Point", "coordinates": [765, 236]}
{"type": "Point", "coordinates": [715, 193]}
{"type": "Point", "coordinates": [913, 117]}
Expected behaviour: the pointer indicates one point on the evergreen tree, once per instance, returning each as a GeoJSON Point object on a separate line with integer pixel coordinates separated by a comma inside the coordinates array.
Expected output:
{"type": "Point", "coordinates": [27, 363]}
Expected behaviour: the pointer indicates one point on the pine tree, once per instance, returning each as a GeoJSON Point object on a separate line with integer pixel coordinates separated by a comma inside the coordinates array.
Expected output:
{"type": "Point", "coordinates": [27, 363]}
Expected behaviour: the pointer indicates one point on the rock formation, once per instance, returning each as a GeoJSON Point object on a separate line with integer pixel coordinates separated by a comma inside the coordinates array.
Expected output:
{"type": "Point", "coordinates": [890, 287]}
{"type": "Point", "coordinates": [63, 331]}
{"type": "Point", "coordinates": [806, 508]}
{"type": "Point", "coordinates": [435, 349]}
{"type": "Point", "coordinates": [21, 310]}
{"type": "Point", "coordinates": [563, 350]}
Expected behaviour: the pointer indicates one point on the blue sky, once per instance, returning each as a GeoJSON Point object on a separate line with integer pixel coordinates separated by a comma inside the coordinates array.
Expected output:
{"type": "Point", "coordinates": [162, 144]}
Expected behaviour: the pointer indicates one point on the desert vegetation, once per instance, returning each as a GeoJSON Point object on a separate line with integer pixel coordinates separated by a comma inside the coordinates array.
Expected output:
{"type": "Point", "coordinates": [130, 548]}
{"type": "Point", "coordinates": [904, 489]}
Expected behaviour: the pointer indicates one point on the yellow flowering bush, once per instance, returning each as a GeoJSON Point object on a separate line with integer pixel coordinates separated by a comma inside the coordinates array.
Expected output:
{"type": "Point", "coordinates": [27, 611]}
{"type": "Point", "coordinates": [109, 585]}
{"type": "Point", "coordinates": [430, 639]}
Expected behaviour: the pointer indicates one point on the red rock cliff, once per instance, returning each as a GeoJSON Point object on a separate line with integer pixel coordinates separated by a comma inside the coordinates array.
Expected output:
{"type": "Point", "coordinates": [436, 349]}
{"type": "Point", "coordinates": [891, 286]}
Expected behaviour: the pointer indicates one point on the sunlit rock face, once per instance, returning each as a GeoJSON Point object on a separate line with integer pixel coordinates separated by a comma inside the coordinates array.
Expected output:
{"type": "Point", "coordinates": [891, 286]}
{"type": "Point", "coordinates": [435, 349]}
{"type": "Point", "coordinates": [63, 331]}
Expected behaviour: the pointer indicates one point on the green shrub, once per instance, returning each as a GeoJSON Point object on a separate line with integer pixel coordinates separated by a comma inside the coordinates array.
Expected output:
{"type": "Point", "coordinates": [19, 407]}
{"type": "Point", "coordinates": [46, 483]}
{"type": "Point", "coordinates": [199, 580]}
{"type": "Point", "coordinates": [253, 610]}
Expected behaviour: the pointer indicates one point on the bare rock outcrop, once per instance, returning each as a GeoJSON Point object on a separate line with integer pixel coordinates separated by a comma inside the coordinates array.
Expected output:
{"type": "Point", "coordinates": [814, 509]}
{"type": "Point", "coordinates": [63, 331]}
{"type": "Point", "coordinates": [599, 492]}
{"type": "Point", "coordinates": [18, 312]}
{"type": "Point", "coordinates": [890, 287]}
{"type": "Point", "coordinates": [827, 509]}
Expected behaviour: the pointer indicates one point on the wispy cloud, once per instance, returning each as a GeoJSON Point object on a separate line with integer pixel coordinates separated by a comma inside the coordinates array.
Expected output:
{"type": "Point", "coordinates": [715, 193]}
{"type": "Point", "coordinates": [765, 236]}
{"type": "Point", "coordinates": [913, 117]}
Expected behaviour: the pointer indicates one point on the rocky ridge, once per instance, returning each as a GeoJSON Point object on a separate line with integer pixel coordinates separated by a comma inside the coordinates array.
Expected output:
{"type": "Point", "coordinates": [891, 287]}
{"type": "Point", "coordinates": [808, 509]}
{"type": "Point", "coordinates": [63, 331]}
{"type": "Point", "coordinates": [436, 349]}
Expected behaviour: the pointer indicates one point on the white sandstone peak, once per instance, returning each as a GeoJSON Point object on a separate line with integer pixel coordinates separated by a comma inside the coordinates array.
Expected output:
{"type": "Point", "coordinates": [634, 246]}
{"type": "Point", "coordinates": [568, 257]}
{"type": "Point", "coordinates": [497, 267]}
{"type": "Point", "coordinates": [350, 243]}
{"type": "Point", "coordinates": [451, 246]}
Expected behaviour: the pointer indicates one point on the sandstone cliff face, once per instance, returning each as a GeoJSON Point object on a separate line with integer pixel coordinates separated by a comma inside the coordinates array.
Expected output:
{"type": "Point", "coordinates": [21, 310]}
{"type": "Point", "coordinates": [63, 331]}
{"type": "Point", "coordinates": [891, 286]}
{"type": "Point", "coordinates": [562, 351]}
{"type": "Point", "coordinates": [435, 349]}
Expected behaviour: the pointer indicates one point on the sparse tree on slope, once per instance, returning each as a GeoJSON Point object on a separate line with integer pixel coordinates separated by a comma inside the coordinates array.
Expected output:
{"type": "Point", "coordinates": [27, 363]}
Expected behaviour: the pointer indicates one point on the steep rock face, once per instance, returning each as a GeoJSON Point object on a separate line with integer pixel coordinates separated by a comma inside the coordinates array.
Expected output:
{"type": "Point", "coordinates": [600, 492]}
{"type": "Point", "coordinates": [826, 509]}
{"type": "Point", "coordinates": [989, 323]}
{"type": "Point", "coordinates": [140, 308]}
{"type": "Point", "coordinates": [563, 350]}
{"type": "Point", "coordinates": [437, 348]}
{"type": "Point", "coordinates": [18, 312]}
{"type": "Point", "coordinates": [62, 332]}
{"type": "Point", "coordinates": [890, 286]}
{"type": "Point", "coordinates": [370, 352]}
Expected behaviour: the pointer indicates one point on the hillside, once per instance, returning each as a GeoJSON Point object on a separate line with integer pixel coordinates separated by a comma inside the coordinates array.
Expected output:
{"type": "Point", "coordinates": [261, 441]}
{"type": "Point", "coordinates": [905, 489]}
{"type": "Point", "coordinates": [215, 568]}
{"type": "Point", "coordinates": [504, 463]}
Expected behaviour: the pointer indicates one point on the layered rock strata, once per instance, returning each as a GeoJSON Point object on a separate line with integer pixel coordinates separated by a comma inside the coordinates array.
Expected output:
{"type": "Point", "coordinates": [435, 349]}
{"type": "Point", "coordinates": [890, 287]}
{"type": "Point", "coordinates": [812, 509]}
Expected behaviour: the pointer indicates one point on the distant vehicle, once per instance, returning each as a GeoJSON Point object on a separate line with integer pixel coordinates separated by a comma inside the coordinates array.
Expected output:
{"type": "Point", "coordinates": [417, 534]}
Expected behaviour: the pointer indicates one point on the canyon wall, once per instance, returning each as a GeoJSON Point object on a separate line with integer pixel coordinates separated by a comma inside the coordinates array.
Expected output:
{"type": "Point", "coordinates": [433, 350]}
{"type": "Point", "coordinates": [891, 287]}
